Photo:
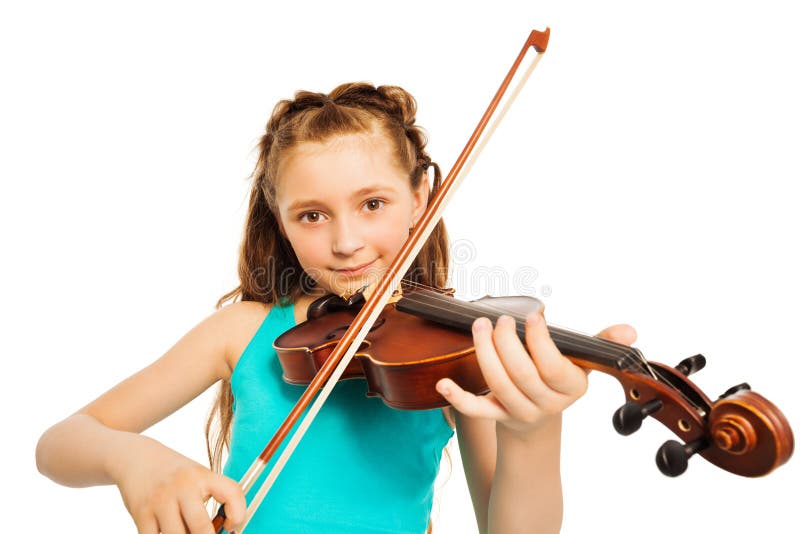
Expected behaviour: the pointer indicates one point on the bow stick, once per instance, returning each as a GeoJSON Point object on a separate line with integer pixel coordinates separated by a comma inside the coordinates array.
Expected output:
{"type": "Point", "coordinates": [337, 361]}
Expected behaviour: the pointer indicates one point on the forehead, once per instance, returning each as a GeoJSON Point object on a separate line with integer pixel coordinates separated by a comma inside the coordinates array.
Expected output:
{"type": "Point", "coordinates": [340, 165]}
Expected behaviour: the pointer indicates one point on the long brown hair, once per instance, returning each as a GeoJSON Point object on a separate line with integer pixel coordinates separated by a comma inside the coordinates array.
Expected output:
{"type": "Point", "coordinates": [268, 268]}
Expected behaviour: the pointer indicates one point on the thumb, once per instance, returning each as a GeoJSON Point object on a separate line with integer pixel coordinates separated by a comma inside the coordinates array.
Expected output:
{"type": "Point", "coordinates": [228, 492]}
{"type": "Point", "coordinates": [619, 333]}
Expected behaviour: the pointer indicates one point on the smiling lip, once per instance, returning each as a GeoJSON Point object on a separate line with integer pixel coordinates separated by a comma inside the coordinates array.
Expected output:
{"type": "Point", "coordinates": [354, 271]}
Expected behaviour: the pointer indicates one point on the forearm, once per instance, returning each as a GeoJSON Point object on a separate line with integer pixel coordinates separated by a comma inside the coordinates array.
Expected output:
{"type": "Point", "coordinates": [80, 451]}
{"type": "Point", "coordinates": [526, 490]}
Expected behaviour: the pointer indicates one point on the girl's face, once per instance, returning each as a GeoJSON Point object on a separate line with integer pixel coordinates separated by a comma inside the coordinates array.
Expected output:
{"type": "Point", "coordinates": [346, 207]}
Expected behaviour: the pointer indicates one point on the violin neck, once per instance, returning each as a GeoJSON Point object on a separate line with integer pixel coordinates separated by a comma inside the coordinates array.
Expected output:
{"type": "Point", "coordinates": [460, 315]}
{"type": "Point", "coordinates": [592, 349]}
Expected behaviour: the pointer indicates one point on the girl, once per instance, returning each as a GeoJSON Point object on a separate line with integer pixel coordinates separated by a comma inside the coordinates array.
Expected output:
{"type": "Point", "coordinates": [340, 180]}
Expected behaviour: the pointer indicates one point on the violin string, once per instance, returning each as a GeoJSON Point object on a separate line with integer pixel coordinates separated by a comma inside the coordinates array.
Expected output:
{"type": "Point", "coordinates": [430, 296]}
{"type": "Point", "coordinates": [600, 346]}
{"type": "Point", "coordinates": [583, 340]}
{"type": "Point", "coordinates": [466, 310]}
{"type": "Point", "coordinates": [629, 353]}
{"type": "Point", "coordinates": [607, 348]}
{"type": "Point", "coordinates": [418, 285]}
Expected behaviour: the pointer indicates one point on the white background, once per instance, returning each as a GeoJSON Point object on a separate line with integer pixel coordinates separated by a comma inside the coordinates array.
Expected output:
{"type": "Point", "coordinates": [645, 174]}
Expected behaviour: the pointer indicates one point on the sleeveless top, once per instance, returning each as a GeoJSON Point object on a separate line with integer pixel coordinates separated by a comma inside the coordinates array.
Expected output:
{"type": "Point", "coordinates": [361, 467]}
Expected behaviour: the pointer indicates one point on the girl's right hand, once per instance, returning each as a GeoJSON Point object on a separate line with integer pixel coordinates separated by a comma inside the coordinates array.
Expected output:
{"type": "Point", "coordinates": [166, 492]}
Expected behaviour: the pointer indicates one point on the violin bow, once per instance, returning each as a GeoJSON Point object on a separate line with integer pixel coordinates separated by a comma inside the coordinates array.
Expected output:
{"type": "Point", "coordinates": [333, 368]}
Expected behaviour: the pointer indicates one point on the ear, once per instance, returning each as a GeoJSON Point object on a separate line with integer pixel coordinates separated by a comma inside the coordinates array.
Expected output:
{"type": "Point", "coordinates": [420, 201]}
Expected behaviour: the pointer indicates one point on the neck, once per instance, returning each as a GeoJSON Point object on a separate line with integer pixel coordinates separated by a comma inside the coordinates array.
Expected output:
{"type": "Point", "coordinates": [460, 315]}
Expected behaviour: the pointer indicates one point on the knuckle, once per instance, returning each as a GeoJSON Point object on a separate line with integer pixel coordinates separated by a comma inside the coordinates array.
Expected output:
{"type": "Point", "coordinates": [142, 511]}
{"type": "Point", "coordinates": [199, 524]}
{"type": "Point", "coordinates": [464, 404]}
{"type": "Point", "coordinates": [502, 390]}
{"type": "Point", "coordinates": [238, 501]}
{"type": "Point", "coordinates": [553, 375]}
{"type": "Point", "coordinates": [526, 373]}
{"type": "Point", "coordinates": [232, 487]}
{"type": "Point", "coordinates": [190, 474]}
{"type": "Point", "coordinates": [456, 398]}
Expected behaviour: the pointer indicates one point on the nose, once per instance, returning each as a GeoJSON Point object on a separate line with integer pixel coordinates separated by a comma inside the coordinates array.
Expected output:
{"type": "Point", "coordinates": [346, 238]}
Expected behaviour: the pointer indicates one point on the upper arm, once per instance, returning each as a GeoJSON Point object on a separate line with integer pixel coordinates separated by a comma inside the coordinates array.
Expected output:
{"type": "Point", "coordinates": [477, 442]}
{"type": "Point", "coordinates": [192, 365]}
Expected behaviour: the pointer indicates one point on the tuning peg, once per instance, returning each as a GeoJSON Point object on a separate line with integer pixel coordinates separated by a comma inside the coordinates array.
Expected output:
{"type": "Point", "coordinates": [628, 418]}
{"type": "Point", "coordinates": [691, 365]}
{"type": "Point", "coordinates": [672, 457]}
{"type": "Point", "coordinates": [734, 389]}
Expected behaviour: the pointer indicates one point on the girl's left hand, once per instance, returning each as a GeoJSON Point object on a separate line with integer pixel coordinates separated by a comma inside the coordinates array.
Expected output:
{"type": "Point", "coordinates": [529, 386]}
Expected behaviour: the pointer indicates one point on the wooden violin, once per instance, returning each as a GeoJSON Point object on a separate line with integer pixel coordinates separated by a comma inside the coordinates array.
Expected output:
{"type": "Point", "coordinates": [425, 336]}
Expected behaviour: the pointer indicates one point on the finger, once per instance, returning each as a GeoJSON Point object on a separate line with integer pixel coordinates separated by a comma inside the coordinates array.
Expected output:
{"type": "Point", "coordinates": [518, 382]}
{"type": "Point", "coordinates": [556, 370]}
{"type": "Point", "coordinates": [469, 404]}
{"type": "Point", "coordinates": [168, 515]}
{"type": "Point", "coordinates": [194, 515]}
{"type": "Point", "coordinates": [228, 492]}
{"type": "Point", "coordinates": [619, 333]}
{"type": "Point", "coordinates": [486, 341]}
{"type": "Point", "coordinates": [146, 524]}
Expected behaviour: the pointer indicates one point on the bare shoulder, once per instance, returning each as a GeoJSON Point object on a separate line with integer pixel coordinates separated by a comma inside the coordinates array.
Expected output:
{"type": "Point", "coordinates": [240, 322]}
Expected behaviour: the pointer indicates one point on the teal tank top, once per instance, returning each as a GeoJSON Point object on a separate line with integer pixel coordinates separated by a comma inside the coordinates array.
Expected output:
{"type": "Point", "coordinates": [361, 467]}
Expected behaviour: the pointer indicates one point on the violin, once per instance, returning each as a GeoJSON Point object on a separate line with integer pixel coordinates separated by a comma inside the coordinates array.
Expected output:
{"type": "Point", "coordinates": [424, 336]}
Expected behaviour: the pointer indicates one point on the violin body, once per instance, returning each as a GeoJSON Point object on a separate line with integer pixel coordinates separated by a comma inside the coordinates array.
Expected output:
{"type": "Point", "coordinates": [401, 359]}
{"type": "Point", "coordinates": [404, 375]}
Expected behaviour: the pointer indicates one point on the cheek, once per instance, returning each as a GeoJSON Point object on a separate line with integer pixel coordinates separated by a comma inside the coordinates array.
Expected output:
{"type": "Point", "coordinates": [389, 234]}
{"type": "Point", "coordinates": [309, 247]}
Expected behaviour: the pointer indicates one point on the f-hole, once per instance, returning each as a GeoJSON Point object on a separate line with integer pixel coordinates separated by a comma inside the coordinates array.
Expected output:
{"type": "Point", "coordinates": [378, 324]}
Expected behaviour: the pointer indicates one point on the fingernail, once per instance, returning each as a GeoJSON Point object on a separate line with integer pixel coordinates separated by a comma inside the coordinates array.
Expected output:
{"type": "Point", "coordinates": [534, 318]}
{"type": "Point", "coordinates": [480, 323]}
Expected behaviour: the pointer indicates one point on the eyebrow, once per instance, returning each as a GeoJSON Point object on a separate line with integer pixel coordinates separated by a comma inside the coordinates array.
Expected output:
{"type": "Point", "coordinates": [303, 204]}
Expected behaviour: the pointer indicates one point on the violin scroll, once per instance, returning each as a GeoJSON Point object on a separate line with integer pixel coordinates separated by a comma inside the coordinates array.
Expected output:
{"type": "Point", "coordinates": [748, 434]}
{"type": "Point", "coordinates": [741, 432]}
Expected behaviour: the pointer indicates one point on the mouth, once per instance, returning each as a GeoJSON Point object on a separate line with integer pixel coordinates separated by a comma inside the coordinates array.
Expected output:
{"type": "Point", "coordinates": [355, 270]}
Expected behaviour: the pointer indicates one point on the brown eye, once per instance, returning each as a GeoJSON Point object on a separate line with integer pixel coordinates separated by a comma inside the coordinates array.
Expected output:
{"type": "Point", "coordinates": [374, 204]}
{"type": "Point", "coordinates": [310, 216]}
